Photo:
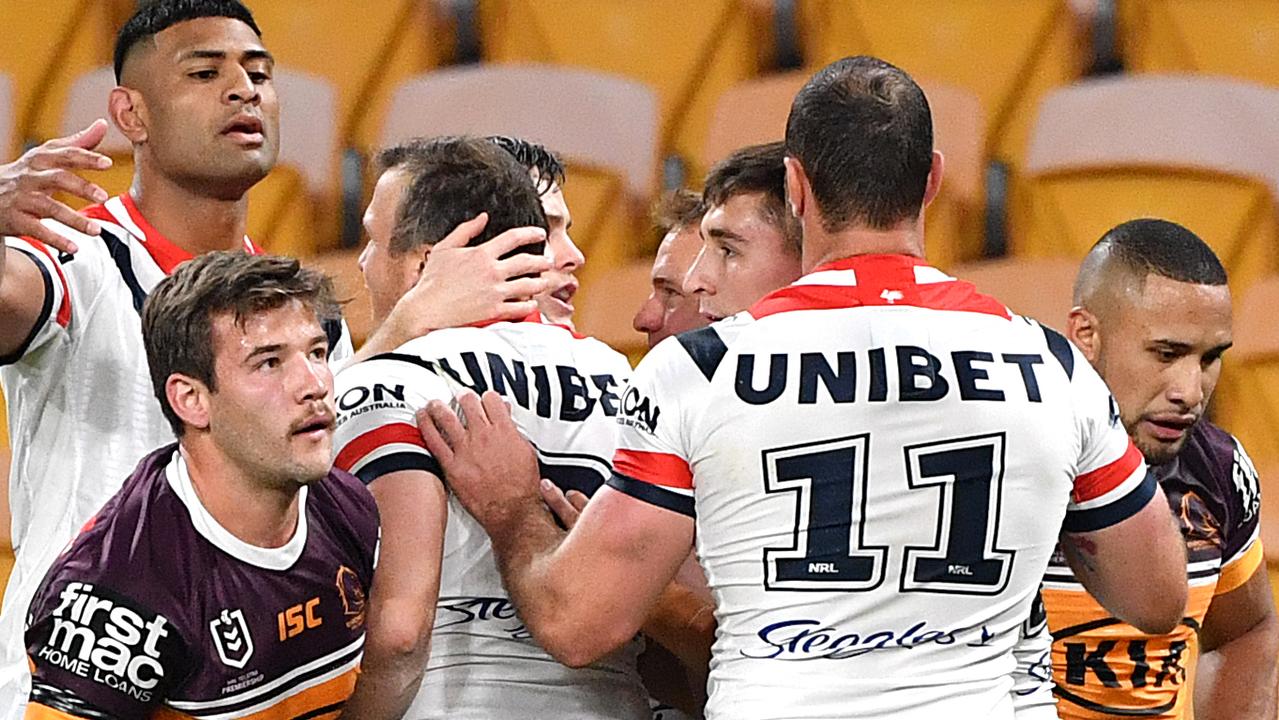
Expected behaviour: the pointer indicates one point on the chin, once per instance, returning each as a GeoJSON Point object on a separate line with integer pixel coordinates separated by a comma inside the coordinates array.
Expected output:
{"type": "Point", "coordinates": [1158, 453]}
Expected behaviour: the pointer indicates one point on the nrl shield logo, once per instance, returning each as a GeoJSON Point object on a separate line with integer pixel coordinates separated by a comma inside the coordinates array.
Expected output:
{"type": "Point", "coordinates": [231, 638]}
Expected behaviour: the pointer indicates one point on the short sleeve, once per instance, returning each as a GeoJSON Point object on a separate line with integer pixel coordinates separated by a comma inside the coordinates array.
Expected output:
{"type": "Point", "coordinates": [1241, 551]}
{"type": "Point", "coordinates": [377, 404]}
{"type": "Point", "coordinates": [1112, 482]}
{"type": "Point", "coordinates": [651, 462]}
{"type": "Point", "coordinates": [96, 652]}
{"type": "Point", "coordinates": [55, 313]}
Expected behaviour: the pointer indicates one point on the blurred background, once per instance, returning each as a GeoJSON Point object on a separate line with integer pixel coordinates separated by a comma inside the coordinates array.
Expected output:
{"type": "Point", "coordinates": [1058, 119]}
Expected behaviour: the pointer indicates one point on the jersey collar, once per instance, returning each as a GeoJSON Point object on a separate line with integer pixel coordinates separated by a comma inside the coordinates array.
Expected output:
{"type": "Point", "coordinates": [166, 255]}
{"type": "Point", "coordinates": [878, 280]}
{"type": "Point", "coordinates": [536, 318]}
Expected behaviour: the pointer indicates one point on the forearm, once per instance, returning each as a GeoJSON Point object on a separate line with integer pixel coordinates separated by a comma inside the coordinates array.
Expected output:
{"type": "Point", "coordinates": [390, 674]}
{"type": "Point", "coordinates": [683, 622]}
{"type": "Point", "coordinates": [1238, 680]}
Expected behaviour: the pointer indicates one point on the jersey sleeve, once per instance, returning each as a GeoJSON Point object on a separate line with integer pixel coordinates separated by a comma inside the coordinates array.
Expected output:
{"type": "Point", "coordinates": [55, 312]}
{"type": "Point", "coordinates": [1112, 482]}
{"type": "Point", "coordinates": [377, 404]}
{"type": "Point", "coordinates": [1241, 551]}
{"type": "Point", "coordinates": [652, 462]}
{"type": "Point", "coordinates": [95, 652]}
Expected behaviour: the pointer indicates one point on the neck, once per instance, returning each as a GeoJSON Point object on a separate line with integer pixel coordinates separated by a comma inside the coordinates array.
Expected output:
{"type": "Point", "coordinates": [249, 509]}
{"type": "Point", "coordinates": [194, 222]}
{"type": "Point", "coordinates": [821, 247]}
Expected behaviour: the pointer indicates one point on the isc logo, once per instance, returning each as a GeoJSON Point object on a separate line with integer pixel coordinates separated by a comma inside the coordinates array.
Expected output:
{"type": "Point", "coordinates": [102, 638]}
{"type": "Point", "coordinates": [298, 618]}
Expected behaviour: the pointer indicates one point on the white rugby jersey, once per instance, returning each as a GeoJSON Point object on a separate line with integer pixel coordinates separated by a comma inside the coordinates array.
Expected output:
{"type": "Point", "coordinates": [82, 412]}
{"type": "Point", "coordinates": [879, 460]}
{"type": "Point", "coordinates": [565, 393]}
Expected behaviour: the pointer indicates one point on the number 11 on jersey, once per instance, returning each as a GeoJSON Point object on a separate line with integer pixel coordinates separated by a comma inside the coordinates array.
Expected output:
{"type": "Point", "coordinates": [960, 481]}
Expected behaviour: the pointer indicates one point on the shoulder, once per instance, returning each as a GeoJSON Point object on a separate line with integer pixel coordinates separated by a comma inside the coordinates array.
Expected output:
{"type": "Point", "coordinates": [1224, 463]}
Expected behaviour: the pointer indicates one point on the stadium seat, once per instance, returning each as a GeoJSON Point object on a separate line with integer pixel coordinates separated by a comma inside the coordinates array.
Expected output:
{"type": "Point", "coordinates": [6, 540]}
{"type": "Point", "coordinates": [755, 112]}
{"type": "Point", "coordinates": [8, 140]}
{"type": "Point", "coordinates": [1269, 535]}
{"type": "Point", "coordinates": [606, 306]}
{"type": "Point", "coordinates": [1039, 288]}
{"type": "Point", "coordinates": [1202, 152]}
{"type": "Point", "coordinates": [1009, 53]}
{"type": "Point", "coordinates": [293, 211]}
{"type": "Point", "coordinates": [1239, 38]}
{"type": "Point", "coordinates": [1247, 400]}
{"type": "Point", "coordinates": [348, 282]}
{"type": "Point", "coordinates": [48, 44]}
{"type": "Point", "coordinates": [603, 126]}
{"type": "Point", "coordinates": [689, 52]}
{"type": "Point", "coordinates": [380, 44]}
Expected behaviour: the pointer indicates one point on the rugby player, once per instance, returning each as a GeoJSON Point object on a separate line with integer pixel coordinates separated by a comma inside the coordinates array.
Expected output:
{"type": "Point", "coordinates": [1153, 315]}
{"type": "Point", "coordinates": [670, 309]}
{"type": "Point", "coordinates": [436, 570]}
{"type": "Point", "coordinates": [197, 101]}
{"type": "Point", "coordinates": [879, 459]}
{"type": "Point", "coordinates": [228, 576]}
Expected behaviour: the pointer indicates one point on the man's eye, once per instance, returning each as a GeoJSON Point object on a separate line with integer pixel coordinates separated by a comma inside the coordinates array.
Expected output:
{"type": "Point", "coordinates": [259, 77]}
{"type": "Point", "coordinates": [204, 74]}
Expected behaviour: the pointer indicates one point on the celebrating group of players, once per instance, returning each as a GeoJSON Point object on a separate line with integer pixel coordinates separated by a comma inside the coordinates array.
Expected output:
{"type": "Point", "coordinates": [842, 484]}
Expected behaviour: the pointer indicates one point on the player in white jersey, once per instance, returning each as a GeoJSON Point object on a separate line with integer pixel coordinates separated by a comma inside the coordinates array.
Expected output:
{"type": "Point", "coordinates": [566, 392]}
{"type": "Point", "coordinates": [197, 102]}
{"type": "Point", "coordinates": [879, 461]}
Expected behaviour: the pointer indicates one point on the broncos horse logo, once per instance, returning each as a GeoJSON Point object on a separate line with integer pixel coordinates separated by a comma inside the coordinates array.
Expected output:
{"type": "Point", "coordinates": [351, 590]}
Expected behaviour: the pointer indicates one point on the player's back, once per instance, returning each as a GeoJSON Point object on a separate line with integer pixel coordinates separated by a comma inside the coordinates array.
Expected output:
{"type": "Point", "coordinates": [880, 462]}
{"type": "Point", "coordinates": [565, 393]}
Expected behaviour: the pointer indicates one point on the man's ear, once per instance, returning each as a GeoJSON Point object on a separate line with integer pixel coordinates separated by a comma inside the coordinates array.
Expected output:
{"type": "Point", "coordinates": [1084, 330]}
{"type": "Point", "coordinates": [189, 399]}
{"type": "Point", "coordinates": [128, 112]}
{"type": "Point", "coordinates": [934, 178]}
{"type": "Point", "coordinates": [797, 187]}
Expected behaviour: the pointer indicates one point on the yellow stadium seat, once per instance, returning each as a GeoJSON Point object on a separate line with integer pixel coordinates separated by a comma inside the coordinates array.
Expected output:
{"type": "Point", "coordinates": [755, 112]}
{"type": "Point", "coordinates": [8, 139]}
{"type": "Point", "coordinates": [689, 52]}
{"type": "Point", "coordinates": [1009, 53]}
{"type": "Point", "coordinates": [293, 211]}
{"type": "Point", "coordinates": [1239, 38]}
{"type": "Point", "coordinates": [1247, 401]}
{"type": "Point", "coordinates": [348, 282]}
{"type": "Point", "coordinates": [604, 127]}
{"type": "Point", "coordinates": [48, 43]}
{"type": "Point", "coordinates": [1038, 288]}
{"type": "Point", "coordinates": [606, 306]}
{"type": "Point", "coordinates": [6, 541]}
{"type": "Point", "coordinates": [1201, 152]}
{"type": "Point", "coordinates": [364, 49]}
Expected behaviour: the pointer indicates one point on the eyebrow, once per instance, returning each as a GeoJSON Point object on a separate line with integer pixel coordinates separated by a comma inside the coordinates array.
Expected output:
{"type": "Point", "coordinates": [720, 233]}
{"type": "Point", "coordinates": [276, 347]}
{"type": "Point", "coordinates": [256, 54]}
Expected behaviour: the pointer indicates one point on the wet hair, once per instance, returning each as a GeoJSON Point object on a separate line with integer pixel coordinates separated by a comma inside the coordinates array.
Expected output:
{"type": "Point", "coordinates": [862, 130]}
{"type": "Point", "coordinates": [756, 169]}
{"type": "Point", "coordinates": [178, 315]}
{"type": "Point", "coordinates": [451, 180]}
{"type": "Point", "coordinates": [550, 171]}
{"type": "Point", "coordinates": [155, 16]}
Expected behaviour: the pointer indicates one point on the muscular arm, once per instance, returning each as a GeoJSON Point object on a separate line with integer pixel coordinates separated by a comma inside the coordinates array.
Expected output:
{"type": "Point", "coordinates": [22, 298]}
{"type": "Point", "coordinates": [406, 586]}
{"type": "Point", "coordinates": [1239, 662]}
{"type": "Point", "coordinates": [1135, 568]}
{"type": "Point", "coordinates": [584, 595]}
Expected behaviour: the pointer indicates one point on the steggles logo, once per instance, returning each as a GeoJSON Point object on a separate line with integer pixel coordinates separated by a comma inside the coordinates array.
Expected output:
{"type": "Point", "coordinates": [231, 638]}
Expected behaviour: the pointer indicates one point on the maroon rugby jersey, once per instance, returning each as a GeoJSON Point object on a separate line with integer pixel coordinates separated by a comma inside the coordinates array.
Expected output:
{"type": "Point", "coordinates": [157, 611]}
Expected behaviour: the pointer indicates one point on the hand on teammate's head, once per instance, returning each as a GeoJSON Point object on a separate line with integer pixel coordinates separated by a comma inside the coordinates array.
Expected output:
{"type": "Point", "coordinates": [28, 185]}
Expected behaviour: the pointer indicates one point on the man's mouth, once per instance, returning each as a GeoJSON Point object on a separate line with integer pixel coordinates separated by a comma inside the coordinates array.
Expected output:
{"type": "Point", "coordinates": [565, 293]}
{"type": "Point", "coordinates": [1168, 428]}
{"type": "Point", "coordinates": [315, 426]}
{"type": "Point", "coordinates": [245, 129]}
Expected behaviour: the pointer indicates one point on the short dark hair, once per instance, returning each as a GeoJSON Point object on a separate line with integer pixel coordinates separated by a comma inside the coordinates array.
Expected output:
{"type": "Point", "coordinates": [178, 315]}
{"type": "Point", "coordinates": [451, 180]}
{"type": "Point", "coordinates": [1152, 246]}
{"type": "Point", "coordinates": [677, 210]}
{"type": "Point", "coordinates": [863, 132]}
{"type": "Point", "coordinates": [756, 169]}
{"type": "Point", "coordinates": [550, 171]}
{"type": "Point", "coordinates": [155, 16]}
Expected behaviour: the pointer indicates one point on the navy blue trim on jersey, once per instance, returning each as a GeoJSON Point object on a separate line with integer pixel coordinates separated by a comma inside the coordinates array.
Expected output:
{"type": "Point", "coordinates": [705, 347]}
{"type": "Point", "coordinates": [332, 331]}
{"type": "Point", "coordinates": [1078, 521]}
{"type": "Point", "coordinates": [653, 494]}
{"type": "Point", "coordinates": [1061, 349]}
{"type": "Point", "coordinates": [45, 311]}
{"type": "Point", "coordinates": [404, 357]}
{"type": "Point", "coordinates": [124, 263]}
{"type": "Point", "coordinates": [395, 462]}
